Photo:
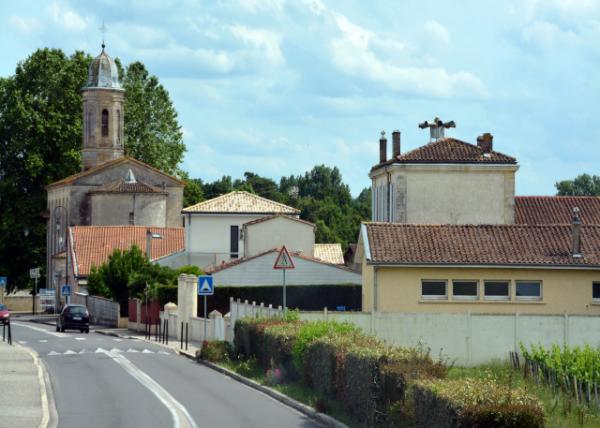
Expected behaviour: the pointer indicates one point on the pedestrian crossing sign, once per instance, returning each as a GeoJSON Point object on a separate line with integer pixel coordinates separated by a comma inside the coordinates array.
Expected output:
{"type": "Point", "coordinates": [284, 260]}
{"type": "Point", "coordinates": [205, 285]}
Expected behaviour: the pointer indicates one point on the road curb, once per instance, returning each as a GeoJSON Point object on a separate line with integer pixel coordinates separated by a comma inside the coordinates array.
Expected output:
{"type": "Point", "coordinates": [322, 418]}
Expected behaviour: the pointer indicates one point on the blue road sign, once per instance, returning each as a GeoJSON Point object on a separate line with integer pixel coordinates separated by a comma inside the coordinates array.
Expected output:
{"type": "Point", "coordinates": [205, 285]}
{"type": "Point", "coordinates": [3, 281]}
{"type": "Point", "coordinates": [66, 290]}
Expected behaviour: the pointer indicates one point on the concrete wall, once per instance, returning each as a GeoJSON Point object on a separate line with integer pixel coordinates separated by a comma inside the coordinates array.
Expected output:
{"type": "Point", "coordinates": [446, 194]}
{"type": "Point", "coordinates": [21, 303]}
{"type": "Point", "coordinates": [398, 289]}
{"type": "Point", "coordinates": [210, 234]}
{"type": "Point", "coordinates": [113, 209]}
{"type": "Point", "coordinates": [278, 231]}
{"type": "Point", "coordinates": [259, 272]}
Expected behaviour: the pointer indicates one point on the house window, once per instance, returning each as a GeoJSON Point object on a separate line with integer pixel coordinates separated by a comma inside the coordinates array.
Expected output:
{"type": "Point", "coordinates": [131, 218]}
{"type": "Point", "coordinates": [596, 291]}
{"type": "Point", "coordinates": [528, 290]}
{"type": "Point", "coordinates": [234, 241]}
{"type": "Point", "coordinates": [497, 290]}
{"type": "Point", "coordinates": [465, 290]}
{"type": "Point", "coordinates": [105, 123]}
{"type": "Point", "coordinates": [434, 289]}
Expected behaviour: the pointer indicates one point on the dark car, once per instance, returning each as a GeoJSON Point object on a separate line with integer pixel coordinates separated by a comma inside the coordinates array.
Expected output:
{"type": "Point", "coordinates": [4, 315]}
{"type": "Point", "coordinates": [74, 317]}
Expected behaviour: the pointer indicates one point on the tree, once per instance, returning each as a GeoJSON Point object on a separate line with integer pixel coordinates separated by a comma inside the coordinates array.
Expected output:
{"type": "Point", "coordinates": [218, 187]}
{"type": "Point", "coordinates": [193, 192]}
{"type": "Point", "coordinates": [152, 132]}
{"type": "Point", "coordinates": [582, 185]}
{"type": "Point", "coordinates": [40, 143]}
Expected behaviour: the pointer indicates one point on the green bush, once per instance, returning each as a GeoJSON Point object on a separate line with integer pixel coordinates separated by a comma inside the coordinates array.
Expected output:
{"type": "Point", "coordinates": [215, 351]}
{"type": "Point", "coordinates": [166, 294]}
{"type": "Point", "coordinates": [474, 403]}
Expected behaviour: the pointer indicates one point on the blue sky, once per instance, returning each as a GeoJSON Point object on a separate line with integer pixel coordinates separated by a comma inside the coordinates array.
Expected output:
{"type": "Point", "coordinates": [276, 87]}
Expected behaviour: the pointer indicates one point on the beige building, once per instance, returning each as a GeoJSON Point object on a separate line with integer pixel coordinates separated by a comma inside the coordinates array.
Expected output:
{"type": "Point", "coordinates": [111, 189]}
{"type": "Point", "coordinates": [271, 232]}
{"type": "Point", "coordinates": [453, 237]}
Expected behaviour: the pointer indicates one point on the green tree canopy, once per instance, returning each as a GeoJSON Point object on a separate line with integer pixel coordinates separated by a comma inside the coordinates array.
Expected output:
{"type": "Point", "coordinates": [40, 143]}
{"type": "Point", "coordinates": [582, 185]}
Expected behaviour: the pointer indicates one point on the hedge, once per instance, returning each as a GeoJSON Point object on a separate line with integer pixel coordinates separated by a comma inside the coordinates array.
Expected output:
{"type": "Point", "coordinates": [443, 403]}
{"type": "Point", "coordinates": [215, 351]}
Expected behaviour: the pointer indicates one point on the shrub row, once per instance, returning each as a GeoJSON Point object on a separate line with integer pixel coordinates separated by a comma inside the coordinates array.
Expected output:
{"type": "Point", "coordinates": [443, 403]}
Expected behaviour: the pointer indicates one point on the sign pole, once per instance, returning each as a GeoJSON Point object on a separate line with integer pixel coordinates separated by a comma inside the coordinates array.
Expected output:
{"type": "Point", "coordinates": [205, 317]}
{"type": "Point", "coordinates": [284, 294]}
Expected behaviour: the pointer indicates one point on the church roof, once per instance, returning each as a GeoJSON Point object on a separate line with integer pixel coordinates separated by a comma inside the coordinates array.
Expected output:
{"type": "Point", "coordinates": [129, 184]}
{"type": "Point", "coordinates": [103, 73]}
{"type": "Point", "coordinates": [556, 209]}
{"type": "Point", "coordinates": [450, 150]}
{"type": "Point", "coordinates": [73, 178]}
{"type": "Point", "coordinates": [91, 245]}
{"type": "Point", "coordinates": [240, 202]}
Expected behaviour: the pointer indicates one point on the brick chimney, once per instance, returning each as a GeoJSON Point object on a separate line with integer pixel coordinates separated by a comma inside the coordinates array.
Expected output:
{"type": "Point", "coordinates": [486, 142]}
{"type": "Point", "coordinates": [382, 148]}
{"type": "Point", "coordinates": [576, 234]}
{"type": "Point", "coordinates": [395, 144]}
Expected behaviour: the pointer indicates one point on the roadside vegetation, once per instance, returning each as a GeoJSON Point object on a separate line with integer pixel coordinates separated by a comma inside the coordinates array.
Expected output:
{"type": "Point", "coordinates": [358, 379]}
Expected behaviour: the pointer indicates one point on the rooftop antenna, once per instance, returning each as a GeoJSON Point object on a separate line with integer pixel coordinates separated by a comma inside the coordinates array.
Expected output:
{"type": "Point", "coordinates": [437, 127]}
{"type": "Point", "coordinates": [103, 29]}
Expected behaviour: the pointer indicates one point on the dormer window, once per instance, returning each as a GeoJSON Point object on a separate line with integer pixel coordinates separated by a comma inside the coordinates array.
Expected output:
{"type": "Point", "coordinates": [105, 123]}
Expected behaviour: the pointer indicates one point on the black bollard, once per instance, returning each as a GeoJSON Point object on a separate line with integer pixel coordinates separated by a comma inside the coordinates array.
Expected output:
{"type": "Point", "coordinates": [186, 335]}
{"type": "Point", "coordinates": [167, 332]}
{"type": "Point", "coordinates": [181, 336]}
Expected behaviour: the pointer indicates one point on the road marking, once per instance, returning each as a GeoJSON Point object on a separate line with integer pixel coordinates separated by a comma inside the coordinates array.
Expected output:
{"type": "Point", "coordinates": [100, 350]}
{"type": "Point", "coordinates": [42, 377]}
{"type": "Point", "coordinates": [181, 417]}
{"type": "Point", "coordinates": [69, 352]}
{"type": "Point", "coordinates": [115, 350]}
{"type": "Point", "coordinates": [22, 342]}
{"type": "Point", "coordinates": [118, 340]}
{"type": "Point", "coordinates": [84, 351]}
{"type": "Point", "coordinates": [163, 353]}
{"type": "Point", "coordinates": [51, 333]}
{"type": "Point", "coordinates": [147, 351]}
{"type": "Point", "coordinates": [132, 350]}
{"type": "Point", "coordinates": [43, 340]}
{"type": "Point", "coordinates": [80, 338]}
{"type": "Point", "coordinates": [53, 353]}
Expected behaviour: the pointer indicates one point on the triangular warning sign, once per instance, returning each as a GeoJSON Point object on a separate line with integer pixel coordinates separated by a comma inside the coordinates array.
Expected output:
{"type": "Point", "coordinates": [284, 260]}
{"type": "Point", "coordinates": [205, 286]}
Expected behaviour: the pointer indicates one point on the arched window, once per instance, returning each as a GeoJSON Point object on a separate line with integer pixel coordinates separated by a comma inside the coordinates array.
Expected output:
{"type": "Point", "coordinates": [105, 123]}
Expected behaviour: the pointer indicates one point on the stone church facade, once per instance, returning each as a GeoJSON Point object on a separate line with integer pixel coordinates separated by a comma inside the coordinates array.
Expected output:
{"type": "Point", "coordinates": [111, 189]}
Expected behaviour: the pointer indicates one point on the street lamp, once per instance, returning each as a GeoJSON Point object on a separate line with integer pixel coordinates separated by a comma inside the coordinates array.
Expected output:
{"type": "Point", "coordinates": [63, 244]}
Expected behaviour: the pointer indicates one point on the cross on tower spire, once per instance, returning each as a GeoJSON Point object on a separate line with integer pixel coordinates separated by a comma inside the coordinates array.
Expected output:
{"type": "Point", "coordinates": [103, 29]}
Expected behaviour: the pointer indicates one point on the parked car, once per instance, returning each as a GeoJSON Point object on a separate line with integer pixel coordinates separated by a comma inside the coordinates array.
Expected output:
{"type": "Point", "coordinates": [4, 315]}
{"type": "Point", "coordinates": [74, 317]}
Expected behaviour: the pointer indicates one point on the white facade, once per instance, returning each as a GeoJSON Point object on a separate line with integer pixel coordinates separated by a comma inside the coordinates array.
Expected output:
{"type": "Point", "coordinates": [444, 193]}
{"type": "Point", "coordinates": [259, 271]}
{"type": "Point", "coordinates": [274, 232]}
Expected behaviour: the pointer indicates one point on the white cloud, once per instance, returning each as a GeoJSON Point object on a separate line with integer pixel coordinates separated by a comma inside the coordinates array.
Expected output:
{"type": "Point", "coordinates": [183, 57]}
{"type": "Point", "coordinates": [66, 18]}
{"type": "Point", "coordinates": [261, 5]}
{"type": "Point", "coordinates": [547, 35]}
{"type": "Point", "coordinates": [352, 54]}
{"type": "Point", "coordinates": [267, 41]}
{"type": "Point", "coordinates": [437, 32]}
{"type": "Point", "coordinates": [25, 25]}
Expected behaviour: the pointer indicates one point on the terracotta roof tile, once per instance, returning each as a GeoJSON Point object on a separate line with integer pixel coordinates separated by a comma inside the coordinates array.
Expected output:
{"type": "Point", "coordinates": [556, 209]}
{"type": "Point", "coordinates": [450, 150]}
{"type": "Point", "coordinates": [91, 245]}
{"type": "Point", "coordinates": [331, 253]}
{"type": "Point", "coordinates": [242, 203]}
{"type": "Point", "coordinates": [481, 244]}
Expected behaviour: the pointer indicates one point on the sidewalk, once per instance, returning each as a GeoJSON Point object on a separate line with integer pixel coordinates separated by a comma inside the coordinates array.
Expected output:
{"type": "Point", "coordinates": [21, 400]}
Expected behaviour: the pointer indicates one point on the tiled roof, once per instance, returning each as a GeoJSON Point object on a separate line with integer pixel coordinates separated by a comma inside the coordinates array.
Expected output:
{"type": "Point", "coordinates": [236, 262]}
{"type": "Point", "coordinates": [91, 245]}
{"type": "Point", "coordinates": [548, 245]}
{"type": "Point", "coordinates": [556, 209]}
{"type": "Point", "coordinates": [122, 186]}
{"type": "Point", "coordinates": [331, 253]}
{"type": "Point", "coordinates": [242, 203]}
{"type": "Point", "coordinates": [272, 217]}
{"type": "Point", "coordinates": [450, 150]}
{"type": "Point", "coordinates": [72, 178]}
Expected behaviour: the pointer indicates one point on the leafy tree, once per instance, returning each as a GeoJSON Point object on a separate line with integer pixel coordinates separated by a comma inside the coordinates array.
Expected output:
{"type": "Point", "coordinates": [193, 192]}
{"type": "Point", "coordinates": [40, 143]}
{"type": "Point", "coordinates": [582, 185]}
{"type": "Point", "coordinates": [262, 186]}
{"type": "Point", "coordinates": [218, 187]}
{"type": "Point", "coordinates": [152, 132]}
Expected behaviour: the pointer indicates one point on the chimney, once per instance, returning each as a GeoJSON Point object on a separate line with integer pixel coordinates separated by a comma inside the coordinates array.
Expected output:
{"type": "Point", "coordinates": [382, 148]}
{"type": "Point", "coordinates": [486, 142]}
{"type": "Point", "coordinates": [395, 144]}
{"type": "Point", "coordinates": [576, 234]}
{"type": "Point", "coordinates": [437, 128]}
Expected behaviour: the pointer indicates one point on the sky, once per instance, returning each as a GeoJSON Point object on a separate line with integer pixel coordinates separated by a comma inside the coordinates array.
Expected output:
{"type": "Point", "coordinates": [276, 87]}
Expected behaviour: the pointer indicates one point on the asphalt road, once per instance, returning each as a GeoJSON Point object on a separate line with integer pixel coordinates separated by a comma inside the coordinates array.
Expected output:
{"type": "Point", "coordinates": [103, 381]}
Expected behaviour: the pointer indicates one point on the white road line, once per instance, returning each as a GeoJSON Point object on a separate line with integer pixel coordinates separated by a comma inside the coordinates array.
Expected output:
{"type": "Point", "coordinates": [53, 353]}
{"type": "Point", "coordinates": [42, 383]}
{"type": "Point", "coordinates": [80, 338]}
{"type": "Point", "coordinates": [43, 340]}
{"type": "Point", "coordinates": [118, 340]}
{"type": "Point", "coordinates": [69, 352]}
{"type": "Point", "coordinates": [51, 333]}
{"type": "Point", "coordinates": [22, 342]}
{"type": "Point", "coordinates": [181, 417]}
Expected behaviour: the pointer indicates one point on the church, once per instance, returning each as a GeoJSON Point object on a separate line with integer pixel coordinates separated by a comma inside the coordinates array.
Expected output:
{"type": "Point", "coordinates": [112, 189]}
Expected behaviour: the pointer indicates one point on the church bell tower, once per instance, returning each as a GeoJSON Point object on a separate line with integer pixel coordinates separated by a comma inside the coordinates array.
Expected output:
{"type": "Point", "coordinates": [103, 99]}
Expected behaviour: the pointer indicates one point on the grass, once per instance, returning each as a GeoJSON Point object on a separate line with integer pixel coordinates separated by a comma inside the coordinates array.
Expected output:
{"type": "Point", "coordinates": [561, 409]}
{"type": "Point", "coordinates": [296, 390]}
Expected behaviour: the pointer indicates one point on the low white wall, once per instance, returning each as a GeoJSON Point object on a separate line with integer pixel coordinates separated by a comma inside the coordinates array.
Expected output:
{"type": "Point", "coordinates": [468, 339]}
